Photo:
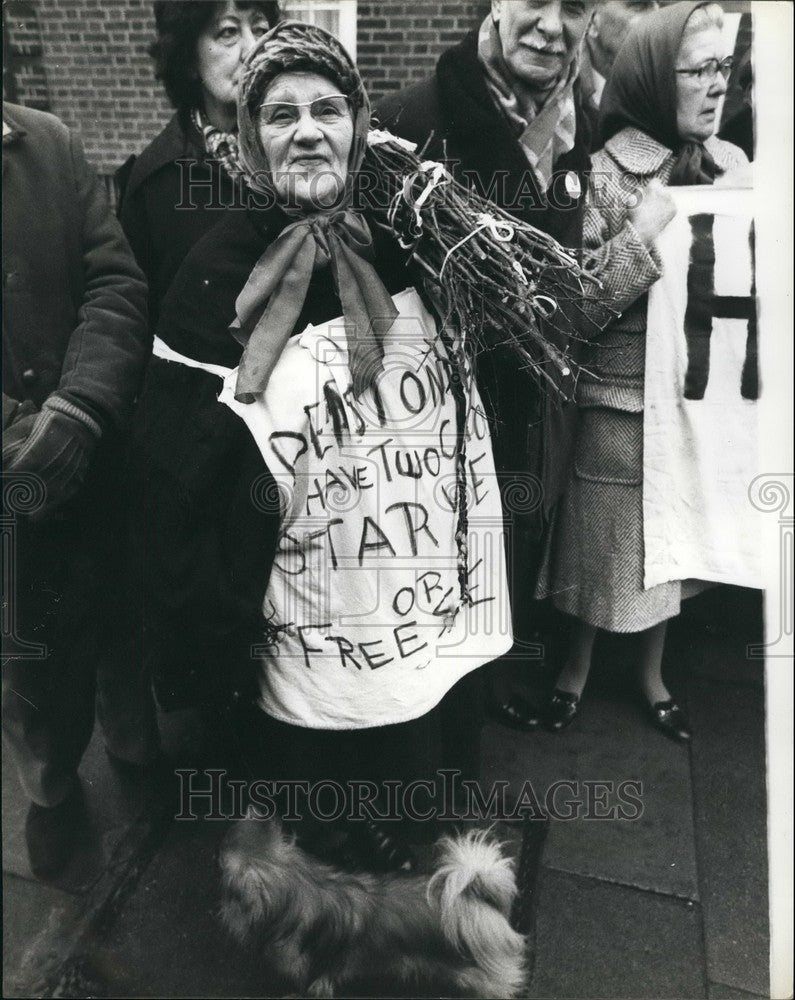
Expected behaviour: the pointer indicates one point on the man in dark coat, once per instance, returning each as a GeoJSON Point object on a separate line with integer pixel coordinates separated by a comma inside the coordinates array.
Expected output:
{"type": "Point", "coordinates": [75, 341]}
{"type": "Point", "coordinates": [611, 22]}
{"type": "Point", "coordinates": [503, 112]}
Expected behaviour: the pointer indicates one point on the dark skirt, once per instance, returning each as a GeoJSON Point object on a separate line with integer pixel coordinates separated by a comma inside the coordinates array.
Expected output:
{"type": "Point", "coordinates": [447, 737]}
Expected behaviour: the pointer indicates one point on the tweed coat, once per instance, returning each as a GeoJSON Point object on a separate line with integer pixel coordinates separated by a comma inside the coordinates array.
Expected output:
{"type": "Point", "coordinates": [593, 564]}
{"type": "Point", "coordinates": [614, 362]}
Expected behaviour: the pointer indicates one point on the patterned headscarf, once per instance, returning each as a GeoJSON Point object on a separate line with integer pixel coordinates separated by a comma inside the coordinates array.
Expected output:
{"type": "Point", "coordinates": [295, 47]}
{"type": "Point", "coordinates": [641, 92]}
{"type": "Point", "coordinates": [271, 302]}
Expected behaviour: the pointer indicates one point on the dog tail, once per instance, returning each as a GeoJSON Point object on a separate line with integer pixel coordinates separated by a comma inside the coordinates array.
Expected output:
{"type": "Point", "coordinates": [474, 888]}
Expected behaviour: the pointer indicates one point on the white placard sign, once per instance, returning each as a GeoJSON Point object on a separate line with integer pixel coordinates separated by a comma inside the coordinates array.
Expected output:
{"type": "Point", "coordinates": [362, 608]}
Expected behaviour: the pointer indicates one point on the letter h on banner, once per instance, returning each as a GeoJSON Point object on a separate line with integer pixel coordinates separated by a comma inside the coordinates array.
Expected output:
{"type": "Point", "coordinates": [703, 305]}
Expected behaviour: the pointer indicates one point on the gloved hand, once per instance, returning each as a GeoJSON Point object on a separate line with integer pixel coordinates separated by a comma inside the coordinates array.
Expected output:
{"type": "Point", "coordinates": [18, 421]}
{"type": "Point", "coordinates": [13, 410]}
{"type": "Point", "coordinates": [58, 450]}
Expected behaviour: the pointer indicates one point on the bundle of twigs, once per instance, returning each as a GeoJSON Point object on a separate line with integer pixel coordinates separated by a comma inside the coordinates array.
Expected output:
{"type": "Point", "coordinates": [501, 280]}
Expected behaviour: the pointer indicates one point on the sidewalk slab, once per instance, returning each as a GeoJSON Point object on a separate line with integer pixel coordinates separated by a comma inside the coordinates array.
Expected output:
{"type": "Point", "coordinates": [169, 941]}
{"type": "Point", "coordinates": [610, 741]}
{"type": "Point", "coordinates": [723, 658]}
{"type": "Point", "coordinates": [45, 922]}
{"type": "Point", "coordinates": [600, 940]}
{"type": "Point", "coordinates": [718, 991]}
{"type": "Point", "coordinates": [730, 798]}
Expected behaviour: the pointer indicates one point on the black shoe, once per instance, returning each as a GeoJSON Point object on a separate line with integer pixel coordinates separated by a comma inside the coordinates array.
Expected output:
{"type": "Point", "coordinates": [669, 717]}
{"type": "Point", "coordinates": [52, 833]}
{"type": "Point", "coordinates": [561, 710]}
{"type": "Point", "coordinates": [518, 713]}
{"type": "Point", "coordinates": [380, 850]}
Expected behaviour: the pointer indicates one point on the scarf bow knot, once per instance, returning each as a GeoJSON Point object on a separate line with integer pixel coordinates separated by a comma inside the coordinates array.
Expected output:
{"type": "Point", "coordinates": [271, 302]}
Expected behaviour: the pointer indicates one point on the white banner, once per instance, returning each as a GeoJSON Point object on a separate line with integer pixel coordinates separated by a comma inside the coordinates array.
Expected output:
{"type": "Point", "coordinates": [701, 447]}
{"type": "Point", "coordinates": [362, 606]}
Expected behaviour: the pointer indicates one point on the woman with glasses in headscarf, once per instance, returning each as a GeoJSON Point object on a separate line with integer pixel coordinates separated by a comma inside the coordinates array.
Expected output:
{"type": "Point", "coordinates": [657, 122]}
{"type": "Point", "coordinates": [320, 582]}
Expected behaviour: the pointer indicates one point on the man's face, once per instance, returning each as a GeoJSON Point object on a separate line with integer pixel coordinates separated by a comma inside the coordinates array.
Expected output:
{"type": "Point", "coordinates": [612, 20]}
{"type": "Point", "coordinates": [540, 40]}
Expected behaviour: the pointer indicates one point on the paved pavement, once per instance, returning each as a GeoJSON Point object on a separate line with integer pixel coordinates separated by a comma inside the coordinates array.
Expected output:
{"type": "Point", "coordinates": [671, 904]}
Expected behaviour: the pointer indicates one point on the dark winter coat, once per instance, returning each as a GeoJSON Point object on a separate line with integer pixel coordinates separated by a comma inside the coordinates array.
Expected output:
{"type": "Point", "coordinates": [170, 196]}
{"type": "Point", "coordinates": [74, 300]}
{"type": "Point", "coordinates": [452, 117]}
{"type": "Point", "coordinates": [74, 323]}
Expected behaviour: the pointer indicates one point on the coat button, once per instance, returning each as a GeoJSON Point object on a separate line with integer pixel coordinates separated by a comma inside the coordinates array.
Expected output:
{"type": "Point", "coordinates": [30, 377]}
{"type": "Point", "coordinates": [573, 187]}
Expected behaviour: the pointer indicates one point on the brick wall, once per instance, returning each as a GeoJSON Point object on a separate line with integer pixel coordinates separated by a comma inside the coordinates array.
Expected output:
{"type": "Point", "coordinates": [93, 71]}
{"type": "Point", "coordinates": [399, 43]}
{"type": "Point", "coordinates": [99, 77]}
{"type": "Point", "coordinates": [87, 61]}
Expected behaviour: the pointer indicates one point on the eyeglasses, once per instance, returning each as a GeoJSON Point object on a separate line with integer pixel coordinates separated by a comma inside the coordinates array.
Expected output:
{"type": "Point", "coordinates": [325, 110]}
{"type": "Point", "coordinates": [707, 71]}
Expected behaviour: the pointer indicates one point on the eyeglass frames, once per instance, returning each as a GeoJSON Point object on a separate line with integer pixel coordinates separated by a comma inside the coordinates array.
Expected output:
{"type": "Point", "coordinates": [708, 71]}
{"type": "Point", "coordinates": [284, 114]}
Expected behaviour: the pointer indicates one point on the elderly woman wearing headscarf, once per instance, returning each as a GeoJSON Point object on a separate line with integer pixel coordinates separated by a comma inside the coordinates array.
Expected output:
{"type": "Point", "coordinates": [658, 116]}
{"type": "Point", "coordinates": [318, 565]}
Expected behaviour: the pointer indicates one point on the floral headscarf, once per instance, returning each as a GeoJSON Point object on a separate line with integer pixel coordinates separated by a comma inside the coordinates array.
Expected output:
{"type": "Point", "coordinates": [271, 302]}
{"type": "Point", "coordinates": [295, 47]}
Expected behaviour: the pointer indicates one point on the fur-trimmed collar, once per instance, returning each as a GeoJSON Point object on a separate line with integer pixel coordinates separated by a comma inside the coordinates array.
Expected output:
{"type": "Point", "coordinates": [639, 154]}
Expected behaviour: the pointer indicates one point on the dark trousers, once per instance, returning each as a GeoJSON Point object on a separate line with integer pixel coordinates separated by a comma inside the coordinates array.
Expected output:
{"type": "Point", "coordinates": [59, 628]}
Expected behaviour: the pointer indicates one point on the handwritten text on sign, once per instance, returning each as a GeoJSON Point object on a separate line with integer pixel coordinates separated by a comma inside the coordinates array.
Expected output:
{"type": "Point", "coordinates": [362, 606]}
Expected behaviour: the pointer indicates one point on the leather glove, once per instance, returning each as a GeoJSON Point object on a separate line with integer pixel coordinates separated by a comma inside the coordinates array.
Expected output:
{"type": "Point", "coordinates": [18, 421]}
{"type": "Point", "coordinates": [13, 410]}
{"type": "Point", "coordinates": [58, 450]}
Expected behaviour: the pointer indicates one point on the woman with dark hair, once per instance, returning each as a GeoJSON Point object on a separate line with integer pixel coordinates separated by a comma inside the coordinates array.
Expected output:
{"type": "Point", "coordinates": [177, 188]}
{"type": "Point", "coordinates": [170, 196]}
{"type": "Point", "coordinates": [657, 124]}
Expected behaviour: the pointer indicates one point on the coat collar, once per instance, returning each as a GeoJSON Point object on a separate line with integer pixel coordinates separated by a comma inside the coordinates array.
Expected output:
{"type": "Point", "coordinates": [639, 154]}
{"type": "Point", "coordinates": [12, 129]}
{"type": "Point", "coordinates": [179, 139]}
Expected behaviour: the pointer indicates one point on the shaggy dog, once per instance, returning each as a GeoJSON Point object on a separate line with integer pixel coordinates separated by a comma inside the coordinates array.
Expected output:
{"type": "Point", "coordinates": [322, 928]}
